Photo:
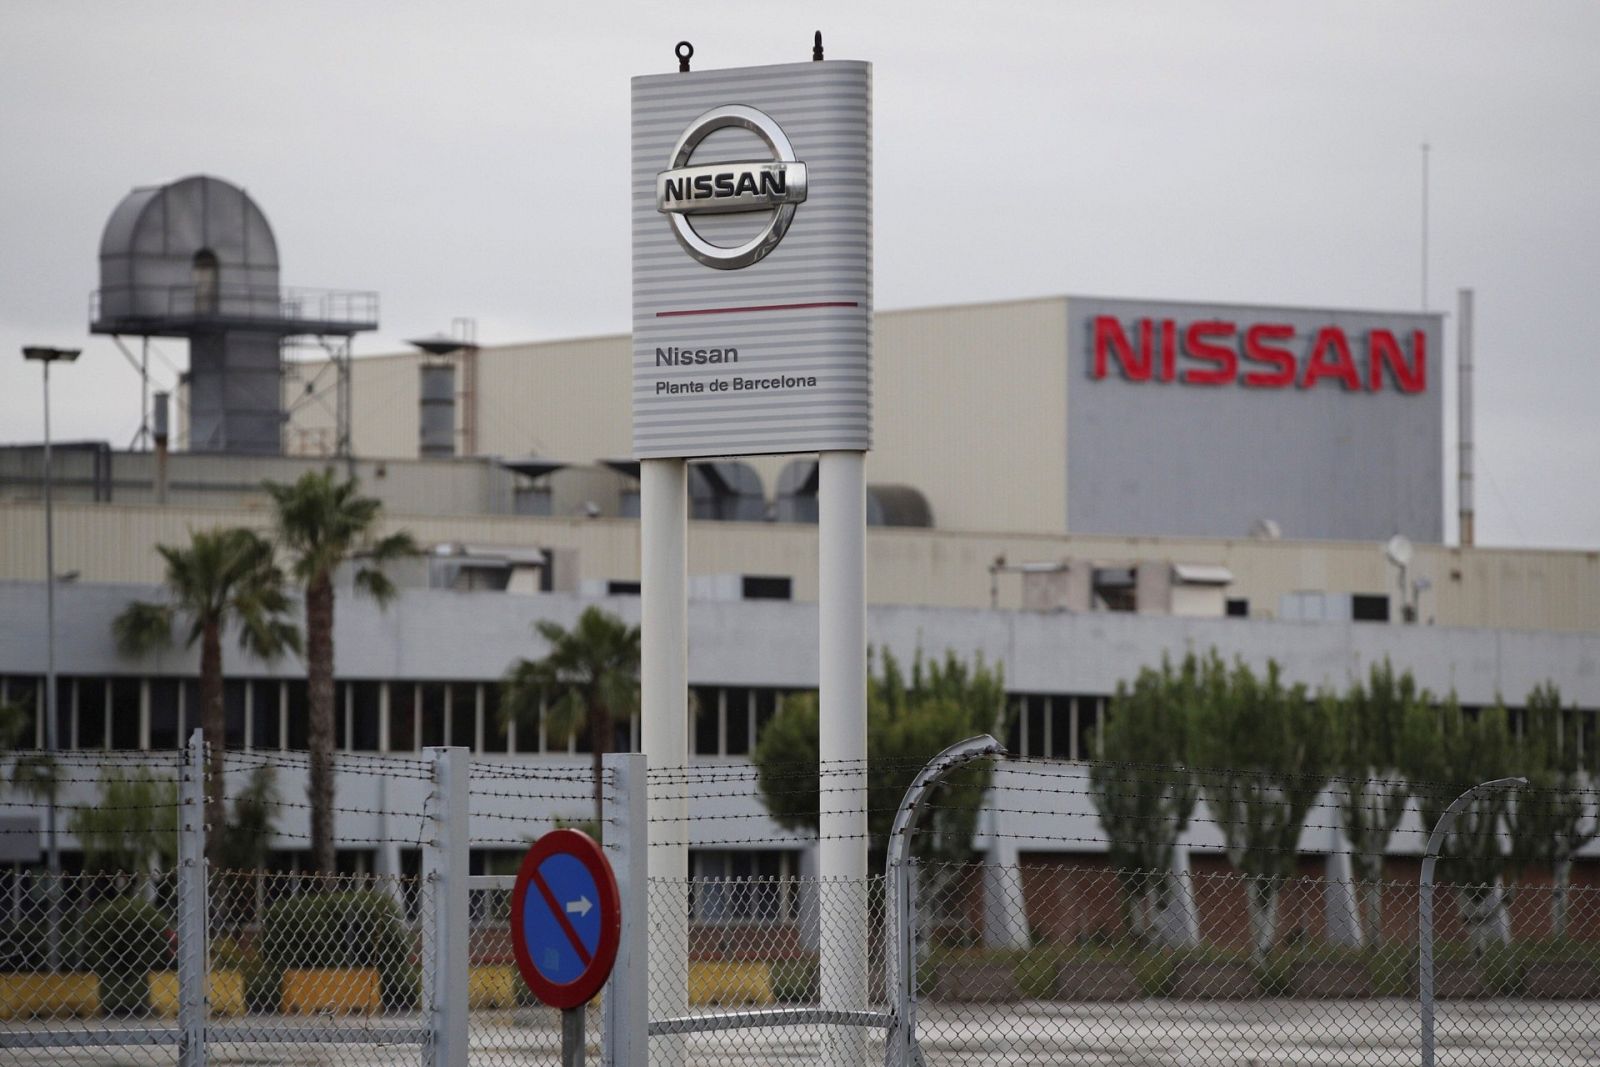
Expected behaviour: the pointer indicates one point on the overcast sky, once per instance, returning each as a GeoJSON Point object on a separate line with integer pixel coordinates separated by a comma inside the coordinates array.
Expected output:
{"type": "Point", "coordinates": [471, 159]}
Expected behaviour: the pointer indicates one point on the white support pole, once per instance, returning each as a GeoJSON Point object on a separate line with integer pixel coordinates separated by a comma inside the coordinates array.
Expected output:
{"type": "Point", "coordinates": [624, 1001]}
{"type": "Point", "coordinates": [444, 933]}
{"type": "Point", "coordinates": [842, 695]}
{"type": "Point", "coordinates": [1464, 457]}
{"type": "Point", "coordinates": [664, 733]}
{"type": "Point", "coordinates": [193, 926]}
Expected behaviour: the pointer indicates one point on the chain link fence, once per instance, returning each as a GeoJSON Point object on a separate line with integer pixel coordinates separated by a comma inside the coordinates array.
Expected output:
{"type": "Point", "coordinates": [507, 1025]}
{"type": "Point", "coordinates": [747, 982]}
{"type": "Point", "coordinates": [315, 959]}
{"type": "Point", "coordinates": [82, 953]}
{"type": "Point", "coordinates": [1154, 967]}
{"type": "Point", "coordinates": [1059, 957]}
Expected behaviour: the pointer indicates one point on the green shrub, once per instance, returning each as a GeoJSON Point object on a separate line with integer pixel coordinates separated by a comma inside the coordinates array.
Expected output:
{"type": "Point", "coordinates": [1035, 971]}
{"type": "Point", "coordinates": [123, 941]}
{"type": "Point", "coordinates": [263, 987]}
{"type": "Point", "coordinates": [343, 930]}
{"type": "Point", "coordinates": [1276, 977]}
{"type": "Point", "coordinates": [25, 946]}
{"type": "Point", "coordinates": [1156, 973]}
{"type": "Point", "coordinates": [794, 981]}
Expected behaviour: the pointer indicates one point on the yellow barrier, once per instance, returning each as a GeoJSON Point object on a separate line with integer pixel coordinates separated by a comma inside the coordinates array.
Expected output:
{"type": "Point", "coordinates": [225, 990]}
{"type": "Point", "coordinates": [729, 982]}
{"type": "Point", "coordinates": [26, 996]}
{"type": "Point", "coordinates": [492, 987]}
{"type": "Point", "coordinates": [343, 991]}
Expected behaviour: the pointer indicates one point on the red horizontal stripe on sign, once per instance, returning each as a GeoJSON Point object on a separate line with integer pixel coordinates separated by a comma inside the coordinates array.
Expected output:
{"type": "Point", "coordinates": [759, 307]}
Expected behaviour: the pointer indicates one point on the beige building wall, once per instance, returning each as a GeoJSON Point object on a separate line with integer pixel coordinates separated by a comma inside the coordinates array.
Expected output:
{"type": "Point", "coordinates": [1508, 588]}
{"type": "Point", "coordinates": [969, 408]}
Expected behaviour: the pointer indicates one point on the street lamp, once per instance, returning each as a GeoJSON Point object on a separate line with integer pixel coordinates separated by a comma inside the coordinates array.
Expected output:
{"type": "Point", "coordinates": [45, 357]}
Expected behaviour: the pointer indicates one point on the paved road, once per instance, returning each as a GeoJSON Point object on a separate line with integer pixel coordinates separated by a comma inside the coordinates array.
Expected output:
{"type": "Point", "coordinates": [1364, 1033]}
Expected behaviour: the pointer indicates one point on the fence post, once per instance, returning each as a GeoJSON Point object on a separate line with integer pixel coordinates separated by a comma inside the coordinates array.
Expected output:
{"type": "Point", "coordinates": [1430, 856]}
{"type": "Point", "coordinates": [445, 901]}
{"type": "Point", "coordinates": [193, 907]}
{"type": "Point", "coordinates": [625, 999]}
{"type": "Point", "coordinates": [900, 962]}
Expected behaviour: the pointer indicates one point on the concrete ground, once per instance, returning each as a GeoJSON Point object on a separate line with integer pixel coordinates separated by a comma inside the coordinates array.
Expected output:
{"type": "Point", "coordinates": [1151, 1033]}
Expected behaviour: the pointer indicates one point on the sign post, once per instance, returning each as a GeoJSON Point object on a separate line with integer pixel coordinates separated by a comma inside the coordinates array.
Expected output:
{"type": "Point", "coordinates": [752, 335]}
{"type": "Point", "coordinates": [566, 921]}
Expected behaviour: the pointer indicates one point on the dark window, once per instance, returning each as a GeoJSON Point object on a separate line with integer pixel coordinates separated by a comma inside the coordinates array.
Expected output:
{"type": "Point", "coordinates": [1238, 607]}
{"type": "Point", "coordinates": [193, 717]}
{"type": "Point", "coordinates": [464, 715]}
{"type": "Point", "coordinates": [1038, 708]}
{"type": "Point", "coordinates": [1369, 607]}
{"type": "Point", "coordinates": [529, 729]}
{"type": "Point", "coordinates": [266, 724]}
{"type": "Point", "coordinates": [738, 718]}
{"type": "Point", "coordinates": [125, 713]}
{"type": "Point", "coordinates": [768, 587]}
{"type": "Point", "coordinates": [91, 712]}
{"type": "Point", "coordinates": [165, 727]}
{"type": "Point", "coordinates": [340, 699]}
{"type": "Point", "coordinates": [622, 734]}
{"type": "Point", "coordinates": [433, 712]}
{"type": "Point", "coordinates": [299, 708]}
{"type": "Point", "coordinates": [622, 589]}
{"type": "Point", "coordinates": [1061, 728]}
{"type": "Point", "coordinates": [767, 703]}
{"type": "Point", "coordinates": [364, 716]}
{"type": "Point", "coordinates": [1116, 588]}
{"type": "Point", "coordinates": [233, 713]}
{"type": "Point", "coordinates": [23, 694]}
{"type": "Point", "coordinates": [495, 735]}
{"type": "Point", "coordinates": [402, 717]}
{"type": "Point", "coordinates": [63, 711]}
{"type": "Point", "coordinates": [1014, 731]}
{"type": "Point", "coordinates": [1088, 719]}
{"type": "Point", "coordinates": [703, 707]}
{"type": "Point", "coordinates": [580, 736]}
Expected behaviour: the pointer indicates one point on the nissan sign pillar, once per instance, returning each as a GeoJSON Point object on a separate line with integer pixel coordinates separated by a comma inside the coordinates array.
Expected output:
{"type": "Point", "coordinates": [752, 333]}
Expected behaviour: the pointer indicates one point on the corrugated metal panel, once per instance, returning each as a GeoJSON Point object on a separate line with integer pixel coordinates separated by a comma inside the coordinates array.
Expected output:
{"type": "Point", "coordinates": [802, 314]}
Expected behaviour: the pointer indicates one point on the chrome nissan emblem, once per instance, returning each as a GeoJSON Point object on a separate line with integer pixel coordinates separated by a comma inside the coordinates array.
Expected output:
{"type": "Point", "coordinates": [777, 185]}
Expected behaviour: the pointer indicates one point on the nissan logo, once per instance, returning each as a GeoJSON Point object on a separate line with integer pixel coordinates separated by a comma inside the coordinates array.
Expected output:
{"type": "Point", "coordinates": [777, 185]}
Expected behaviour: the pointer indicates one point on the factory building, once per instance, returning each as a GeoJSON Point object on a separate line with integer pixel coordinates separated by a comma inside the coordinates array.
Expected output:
{"type": "Point", "coordinates": [1070, 486]}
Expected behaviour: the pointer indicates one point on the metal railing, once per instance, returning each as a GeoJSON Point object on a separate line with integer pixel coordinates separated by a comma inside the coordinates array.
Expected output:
{"type": "Point", "coordinates": [184, 303]}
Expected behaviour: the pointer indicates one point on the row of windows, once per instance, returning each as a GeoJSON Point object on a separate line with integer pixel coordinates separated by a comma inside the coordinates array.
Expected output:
{"type": "Point", "coordinates": [1056, 726]}
{"type": "Point", "coordinates": [1069, 727]}
{"type": "Point", "coordinates": [272, 714]}
{"type": "Point", "coordinates": [370, 716]}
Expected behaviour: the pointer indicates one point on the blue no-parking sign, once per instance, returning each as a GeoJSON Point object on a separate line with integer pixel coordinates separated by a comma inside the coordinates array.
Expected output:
{"type": "Point", "coordinates": [566, 919]}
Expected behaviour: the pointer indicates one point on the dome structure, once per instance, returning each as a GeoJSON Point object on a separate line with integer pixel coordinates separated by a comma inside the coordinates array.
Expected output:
{"type": "Point", "coordinates": [196, 259]}
{"type": "Point", "coordinates": [196, 249]}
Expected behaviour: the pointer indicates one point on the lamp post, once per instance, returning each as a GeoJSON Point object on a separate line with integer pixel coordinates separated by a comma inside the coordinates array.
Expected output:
{"type": "Point", "coordinates": [46, 356]}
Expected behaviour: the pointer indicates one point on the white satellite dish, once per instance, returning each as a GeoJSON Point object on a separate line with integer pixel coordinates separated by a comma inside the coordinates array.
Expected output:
{"type": "Point", "coordinates": [1398, 549]}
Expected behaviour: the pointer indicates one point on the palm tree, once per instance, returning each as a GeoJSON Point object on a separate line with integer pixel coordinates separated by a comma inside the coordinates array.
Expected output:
{"type": "Point", "coordinates": [321, 523]}
{"type": "Point", "coordinates": [591, 675]}
{"type": "Point", "coordinates": [222, 577]}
